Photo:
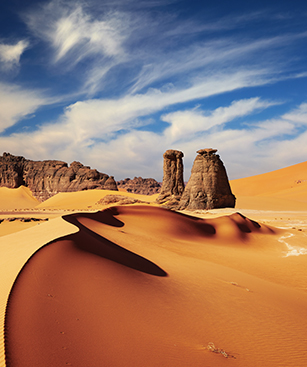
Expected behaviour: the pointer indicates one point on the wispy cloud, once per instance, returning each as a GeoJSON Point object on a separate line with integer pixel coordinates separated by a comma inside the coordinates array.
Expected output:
{"type": "Point", "coordinates": [10, 54]}
{"type": "Point", "coordinates": [209, 57]}
{"type": "Point", "coordinates": [92, 36]}
{"type": "Point", "coordinates": [298, 116]}
{"type": "Point", "coordinates": [75, 34]}
{"type": "Point", "coordinates": [130, 66]}
{"type": "Point", "coordinates": [102, 118]}
{"type": "Point", "coordinates": [254, 147]}
{"type": "Point", "coordinates": [153, 50]}
{"type": "Point", "coordinates": [16, 103]}
{"type": "Point", "coordinates": [185, 124]}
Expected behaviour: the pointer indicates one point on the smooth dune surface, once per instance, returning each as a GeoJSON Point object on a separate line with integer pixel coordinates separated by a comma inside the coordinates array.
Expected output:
{"type": "Point", "coordinates": [283, 189]}
{"type": "Point", "coordinates": [15, 250]}
{"type": "Point", "coordinates": [14, 199]}
{"type": "Point", "coordinates": [145, 286]}
{"type": "Point", "coordinates": [86, 200]}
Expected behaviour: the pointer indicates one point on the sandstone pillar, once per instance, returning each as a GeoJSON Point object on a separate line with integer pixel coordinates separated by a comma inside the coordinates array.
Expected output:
{"type": "Point", "coordinates": [208, 186]}
{"type": "Point", "coordinates": [172, 185]}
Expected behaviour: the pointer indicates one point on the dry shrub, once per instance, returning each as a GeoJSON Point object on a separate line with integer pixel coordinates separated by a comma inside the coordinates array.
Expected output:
{"type": "Point", "coordinates": [212, 348]}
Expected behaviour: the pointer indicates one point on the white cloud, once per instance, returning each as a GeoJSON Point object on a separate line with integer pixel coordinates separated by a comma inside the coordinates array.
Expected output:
{"type": "Point", "coordinates": [203, 58]}
{"type": "Point", "coordinates": [94, 119]}
{"type": "Point", "coordinates": [77, 35]}
{"type": "Point", "coordinates": [257, 148]}
{"type": "Point", "coordinates": [163, 64]}
{"type": "Point", "coordinates": [299, 115]}
{"type": "Point", "coordinates": [184, 124]}
{"type": "Point", "coordinates": [92, 36]}
{"type": "Point", "coordinates": [10, 54]}
{"type": "Point", "coordinates": [74, 33]}
{"type": "Point", "coordinates": [148, 48]}
{"type": "Point", "coordinates": [83, 123]}
{"type": "Point", "coordinates": [16, 103]}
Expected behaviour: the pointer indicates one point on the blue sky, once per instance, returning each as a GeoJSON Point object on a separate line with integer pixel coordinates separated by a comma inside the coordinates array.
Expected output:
{"type": "Point", "coordinates": [115, 83]}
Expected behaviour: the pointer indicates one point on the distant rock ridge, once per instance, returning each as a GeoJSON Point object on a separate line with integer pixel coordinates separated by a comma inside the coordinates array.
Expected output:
{"type": "Point", "coordinates": [49, 177]}
{"type": "Point", "coordinates": [139, 185]}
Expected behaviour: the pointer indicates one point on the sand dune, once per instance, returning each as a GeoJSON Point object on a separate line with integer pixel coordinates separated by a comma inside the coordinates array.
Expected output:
{"type": "Point", "coordinates": [284, 189]}
{"type": "Point", "coordinates": [15, 249]}
{"type": "Point", "coordinates": [144, 286]}
{"type": "Point", "coordinates": [86, 200]}
{"type": "Point", "coordinates": [14, 199]}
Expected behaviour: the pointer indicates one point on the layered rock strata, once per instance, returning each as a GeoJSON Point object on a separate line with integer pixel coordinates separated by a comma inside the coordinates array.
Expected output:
{"type": "Point", "coordinates": [208, 186]}
{"type": "Point", "coordinates": [139, 185]}
{"type": "Point", "coordinates": [172, 185]}
{"type": "Point", "coordinates": [47, 178]}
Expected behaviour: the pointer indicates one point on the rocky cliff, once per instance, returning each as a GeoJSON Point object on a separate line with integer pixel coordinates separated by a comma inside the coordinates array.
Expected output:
{"type": "Point", "coordinates": [139, 185]}
{"type": "Point", "coordinates": [47, 178]}
{"type": "Point", "coordinates": [208, 186]}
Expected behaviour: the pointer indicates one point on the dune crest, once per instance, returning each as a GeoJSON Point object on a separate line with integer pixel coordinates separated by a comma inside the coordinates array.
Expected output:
{"type": "Point", "coordinates": [20, 198]}
{"type": "Point", "coordinates": [77, 303]}
{"type": "Point", "coordinates": [283, 189]}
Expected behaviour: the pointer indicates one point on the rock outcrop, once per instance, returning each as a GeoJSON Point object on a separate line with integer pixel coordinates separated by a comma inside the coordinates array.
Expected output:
{"type": "Point", "coordinates": [139, 185]}
{"type": "Point", "coordinates": [119, 200]}
{"type": "Point", "coordinates": [208, 186]}
{"type": "Point", "coordinates": [47, 178]}
{"type": "Point", "coordinates": [172, 185]}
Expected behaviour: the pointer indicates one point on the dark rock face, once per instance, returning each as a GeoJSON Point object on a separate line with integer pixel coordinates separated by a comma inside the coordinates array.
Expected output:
{"type": "Point", "coordinates": [47, 178]}
{"type": "Point", "coordinates": [208, 186]}
{"type": "Point", "coordinates": [172, 185]}
{"type": "Point", "coordinates": [139, 185]}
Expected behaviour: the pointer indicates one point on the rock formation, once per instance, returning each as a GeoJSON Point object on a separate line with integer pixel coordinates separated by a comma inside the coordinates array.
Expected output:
{"type": "Point", "coordinates": [172, 185]}
{"type": "Point", "coordinates": [208, 186]}
{"type": "Point", "coordinates": [139, 185]}
{"type": "Point", "coordinates": [119, 200]}
{"type": "Point", "coordinates": [47, 178]}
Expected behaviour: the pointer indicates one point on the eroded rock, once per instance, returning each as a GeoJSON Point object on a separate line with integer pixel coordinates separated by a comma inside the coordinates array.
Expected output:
{"type": "Point", "coordinates": [119, 200]}
{"type": "Point", "coordinates": [47, 178]}
{"type": "Point", "coordinates": [208, 186]}
{"type": "Point", "coordinates": [139, 185]}
{"type": "Point", "coordinates": [172, 185]}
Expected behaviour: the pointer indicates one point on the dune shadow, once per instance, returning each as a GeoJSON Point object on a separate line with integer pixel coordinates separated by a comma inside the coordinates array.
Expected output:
{"type": "Point", "coordinates": [106, 216]}
{"type": "Point", "coordinates": [255, 224]}
{"type": "Point", "coordinates": [90, 241]}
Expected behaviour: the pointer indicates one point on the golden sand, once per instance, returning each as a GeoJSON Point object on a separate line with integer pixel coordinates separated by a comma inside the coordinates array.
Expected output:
{"type": "Point", "coordinates": [142, 286]}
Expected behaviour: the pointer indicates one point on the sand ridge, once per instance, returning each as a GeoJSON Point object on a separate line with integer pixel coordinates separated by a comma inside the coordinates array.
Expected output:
{"type": "Point", "coordinates": [217, 282]}
{"type": "Point", "coordinates": [20, 198]}
{"type": "Point", "coordinates": [139, 285]}
{"type": "Point", "coordinates": [284, 189]}
{"type": "Point", "coordinates": [15, 250]}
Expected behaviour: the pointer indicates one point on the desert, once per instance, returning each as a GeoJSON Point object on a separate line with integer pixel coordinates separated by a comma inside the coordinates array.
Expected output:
{"type": "Point", "coordinates": [153, 183]}
{"type": "Point", "coordinates": [96, 282]}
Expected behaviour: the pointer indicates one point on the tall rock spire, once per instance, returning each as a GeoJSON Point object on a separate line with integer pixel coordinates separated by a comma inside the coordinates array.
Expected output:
{"type": "Point", "coordinates": [208, 186]}
{"type": "Point", "coordinates": [172, 185]}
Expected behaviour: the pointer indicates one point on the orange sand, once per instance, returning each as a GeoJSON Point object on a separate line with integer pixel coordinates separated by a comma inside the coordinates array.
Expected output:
{"type": "Point", "coordinates": [143, 286]}
{"type": "Point", "coordinates": [86, 200]}
{"type": "Point", "coordinates": [284, 189]}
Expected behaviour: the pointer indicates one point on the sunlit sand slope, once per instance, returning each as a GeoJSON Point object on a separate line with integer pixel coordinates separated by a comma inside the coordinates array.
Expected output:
{"type": "Point", "coordinates": [282, 189]}
{"type": "Point", "coordinates": [15, 249]}
{"type": "Point", "coordinates": [87, 199]}
{"type": "Point", "coordinates": [20, 198]}
{"type": "Point", "coordinates": [144, 286]}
